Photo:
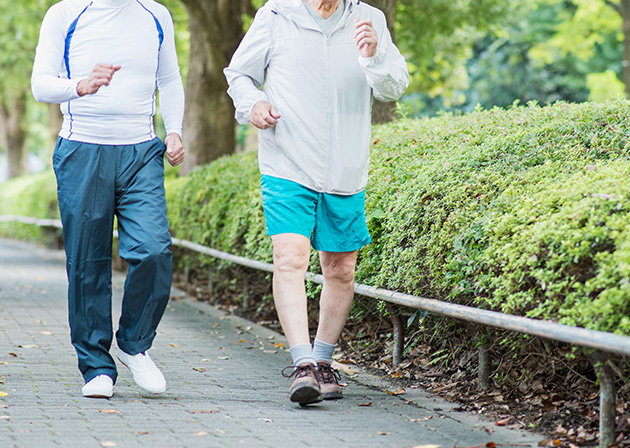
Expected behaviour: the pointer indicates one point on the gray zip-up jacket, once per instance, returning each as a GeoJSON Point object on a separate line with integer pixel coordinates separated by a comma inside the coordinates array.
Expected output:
{"type": "Point", "coordinates": [322, 88]}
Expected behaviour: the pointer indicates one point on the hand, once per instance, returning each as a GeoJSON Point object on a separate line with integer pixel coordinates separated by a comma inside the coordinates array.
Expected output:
{"type": "Point", "coordinates": [174, 149]}
{"type": "Point", "coordinates": [101, 75]}
{"type": "Point", "coordinates": [365, 37]}
{"type": "Point", "coordinates": [264, 115]}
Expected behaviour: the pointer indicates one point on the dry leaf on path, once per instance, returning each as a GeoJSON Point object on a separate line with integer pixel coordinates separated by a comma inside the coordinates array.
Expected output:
{"type": "Point", "coordinates": [205, 412]}
{"type": "Point", "coordinates": [503, 422]}
{"type": "Point", "coordinates": [200, 369]}
{"type": "Point", "coordinates": [110, 411]}
{"type": "Point", "coordinates": [382, 433]}
{"type": "Point", "coordinates": [398, 391]}
{"type": "Point", "coordinates": [364, 404]}
{"type": "Point", "coordinates": [200, 433]}
{"type": "Point", "coordinates": [108, 443]}
{"type": "Point", "coordinates": [424, 419]}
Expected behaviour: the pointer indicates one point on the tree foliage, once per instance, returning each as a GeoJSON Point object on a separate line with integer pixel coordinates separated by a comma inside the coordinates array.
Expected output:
{"type": "Point", "coordinates": [19, 22]}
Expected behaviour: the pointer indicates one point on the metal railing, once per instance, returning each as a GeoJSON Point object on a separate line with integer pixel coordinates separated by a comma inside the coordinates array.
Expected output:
{"type": "Point", "coordinates": [598, 341]}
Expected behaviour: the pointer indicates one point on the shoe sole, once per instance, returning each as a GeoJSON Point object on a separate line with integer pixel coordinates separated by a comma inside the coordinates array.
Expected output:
{"type": "Point", "coordinates": [332, 396]}
{"type": "Point", "coordinates": [97, 396]}
{"type": "Point", "coordinates": [306, 395]}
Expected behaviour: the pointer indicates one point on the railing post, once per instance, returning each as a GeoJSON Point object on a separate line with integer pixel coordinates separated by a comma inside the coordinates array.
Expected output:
{"type": "Point", "coordinates": [399, 336]}
{"type": "Point", "coordinates": [485, 359]}
{"type": "Point", "coordinates": [607, 398]}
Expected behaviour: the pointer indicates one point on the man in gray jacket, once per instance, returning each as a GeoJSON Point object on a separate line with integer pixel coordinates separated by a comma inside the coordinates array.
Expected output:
{"type": "Point", "coordinates": [304, 75]}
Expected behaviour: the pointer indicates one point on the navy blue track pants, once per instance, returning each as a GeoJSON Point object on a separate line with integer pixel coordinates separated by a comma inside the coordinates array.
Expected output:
{"type": "Point", "coordinates": [96, 183]}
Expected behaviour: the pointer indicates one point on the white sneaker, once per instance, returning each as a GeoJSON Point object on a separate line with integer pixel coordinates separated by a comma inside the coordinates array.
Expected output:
{"type": "Point", "coordinates": [101, 386]}
{"type": "Point", "coordinates": [145, 373]}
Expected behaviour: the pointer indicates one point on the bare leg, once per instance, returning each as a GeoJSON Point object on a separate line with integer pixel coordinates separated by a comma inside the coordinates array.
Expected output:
{"type": "Point", "coordinates": [337, 294]}
{"type": "Point", "coordinates": [291, 253]}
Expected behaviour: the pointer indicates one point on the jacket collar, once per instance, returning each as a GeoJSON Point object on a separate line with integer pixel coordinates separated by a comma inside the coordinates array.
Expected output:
{"type": "Point", "coordinates": [294, 10]}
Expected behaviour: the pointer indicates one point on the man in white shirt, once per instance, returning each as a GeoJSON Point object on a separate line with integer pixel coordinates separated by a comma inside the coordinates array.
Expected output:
{"type": "Point", "coordinates": [101, 60]}
{"type": "Point", "coordinates": [305, 74]}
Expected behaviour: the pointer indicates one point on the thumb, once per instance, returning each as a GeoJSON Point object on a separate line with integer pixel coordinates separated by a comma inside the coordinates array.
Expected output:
{"type": "Point", "coordinates": [274, 113]}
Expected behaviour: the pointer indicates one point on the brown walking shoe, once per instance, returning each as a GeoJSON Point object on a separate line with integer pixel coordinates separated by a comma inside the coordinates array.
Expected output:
{"type": "Point", "coordinates": [329, 381]}
{"type": "Point", "coordinates": [305, 387]}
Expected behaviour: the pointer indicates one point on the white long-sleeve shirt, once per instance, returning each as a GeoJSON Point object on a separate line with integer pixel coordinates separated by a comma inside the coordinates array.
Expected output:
{"type": "Point", "coordinates": [321, 87]}
{"type": "Point", "coordinates": [135, 34]}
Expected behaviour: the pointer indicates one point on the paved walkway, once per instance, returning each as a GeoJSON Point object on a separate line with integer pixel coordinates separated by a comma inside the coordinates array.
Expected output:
{"type": "Point", "coordinates": [224, 383]}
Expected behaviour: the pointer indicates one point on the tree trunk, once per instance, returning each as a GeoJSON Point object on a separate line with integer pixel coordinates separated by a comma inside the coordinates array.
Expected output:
{"type": "Point", "coordinates": [216, 29]}
{"type": "Point", "coordinates": [13, 127]}
{"type": "Point", "coordinates": [384, 112]}
{"type": "Point", "coordinates": [624, 10]}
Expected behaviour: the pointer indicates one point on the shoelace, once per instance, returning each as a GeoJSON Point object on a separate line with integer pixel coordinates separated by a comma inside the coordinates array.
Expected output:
{"type": "Point", "coordinates": [300, 371]}
{"type": "Point", "coordinates": [327, 374]}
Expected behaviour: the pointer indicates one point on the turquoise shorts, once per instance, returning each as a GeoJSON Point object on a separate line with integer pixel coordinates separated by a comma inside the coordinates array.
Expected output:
{"type": "Point", "coordinates": [333, 223]}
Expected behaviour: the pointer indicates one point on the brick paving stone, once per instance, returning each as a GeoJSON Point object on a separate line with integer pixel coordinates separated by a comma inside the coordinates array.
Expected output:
{"type": "Point", "coordinates": [223, 377]}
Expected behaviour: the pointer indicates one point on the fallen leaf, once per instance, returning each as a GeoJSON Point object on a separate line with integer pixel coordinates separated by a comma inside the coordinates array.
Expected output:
{"type": "Point", "coordinates": [141, 433]}
{"type": "Point", "coordinates": [173, 345]}
{"type": "Point", "coordinates": [557, 442]}
{"type": "Point", "coordinates": [223, 357]}
{"type": "Point", "coordinates": [200, 433]}
{"type": "Point", "coordinates": [503, 422]}
{"type": "Point", "coordinates": [13, 354]}
{"type": "Point", "coordinates": [205, 412]}
{"type": "Point", "coordinates": [108, 443]}
{"type": "Point", "coordinates": [4, 363]}
{"type": "Point", "coordinates": [560, 430]}
{"type": "Point", "coordinates": [206, 360]}
{"type": "Point", "coordinates": [364, 404]}
{"type": "Point", "coordinates": [266, 420]}
{"type": "Point", "coordinates": [397, 375]}
{"type": "Point", "coordinates": [46, 333]}
{"type": "Point", "coordinates": [491, 445]}
{"type": "Point", "coordinates": [271, 351]}
{"type": "Point", "coordinates": [220, 431]}
{"type": "Point", "coordinates": [488, 430]}
{"type": "Point", "coordinates": [29, 346]}
{"type": "Point", "coordinates": [381, 433]}
{"type": "Point", "coordinates": [240, 341]}
{"type": "Point", "coordinates": [424, 419]}
{"type": "Point", "coordinates": [279, 345]}
{"type": "Point", "coordinates": [110, 411]}
{"type": "Point", "coordinates": [398, 391]}
{"type": "Point", "coordinates": [200, 369]}
{"type": "Point", "coordinates": [3, 394]}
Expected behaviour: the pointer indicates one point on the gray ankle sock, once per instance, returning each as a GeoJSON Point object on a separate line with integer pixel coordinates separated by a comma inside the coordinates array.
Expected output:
{"type": "Point", "coordinates": [302, 353]}
{"type": "Point", "coordinates": [322, 351]}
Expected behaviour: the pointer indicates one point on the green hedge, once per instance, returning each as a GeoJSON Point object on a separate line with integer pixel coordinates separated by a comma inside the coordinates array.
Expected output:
{"type": "Point", "coordinates": [32, 196]}
{"type": "Point", "coordinates": [523, 211]}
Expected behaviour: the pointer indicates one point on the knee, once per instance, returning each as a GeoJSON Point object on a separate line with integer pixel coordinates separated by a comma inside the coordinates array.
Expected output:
{"type": "Point", "coordinates": [341, 270]}
{"type": "Point", "coordinates": [290, 259]}
{"type": "Point", "coordinates": [152, 252]}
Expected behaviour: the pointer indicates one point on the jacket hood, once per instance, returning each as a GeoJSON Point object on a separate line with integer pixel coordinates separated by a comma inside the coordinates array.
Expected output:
{"type": "Point", "coordinates": [294, 10]}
